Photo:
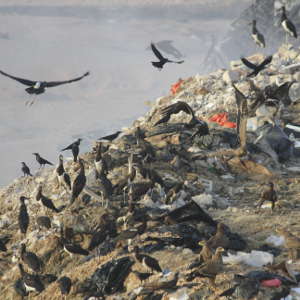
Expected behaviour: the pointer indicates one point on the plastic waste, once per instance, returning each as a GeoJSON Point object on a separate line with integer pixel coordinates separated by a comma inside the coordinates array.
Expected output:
{"type": "Point", "coordinates": [275, 240]}
{"type": "Point", "coordinates": [271, 283]}
{"type": "Point", "coordinates": [222, 119]}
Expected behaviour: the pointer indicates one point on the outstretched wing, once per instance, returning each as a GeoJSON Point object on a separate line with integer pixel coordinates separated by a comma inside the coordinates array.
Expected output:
{"type": "Point", "coordinates": [242, 115]}
{"type": "Point", "coordinates": [156, 52]}
{"type": "Point", "coordinates": [174, 109]}
{"type": "Point", "coordinates": [266, 61]}
{"type": "Point", "coordinates": [21, 80]}
{"type": "Point", "coordinates": [282, 93]}
{"type": "Point", "coordinates": [248, 64]}
{"type": "Point", "coordinates": [55, 83]}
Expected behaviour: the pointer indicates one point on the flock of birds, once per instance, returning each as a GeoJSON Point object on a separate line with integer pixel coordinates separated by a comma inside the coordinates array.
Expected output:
{"type": "Point", "coordinates": [32, 282]}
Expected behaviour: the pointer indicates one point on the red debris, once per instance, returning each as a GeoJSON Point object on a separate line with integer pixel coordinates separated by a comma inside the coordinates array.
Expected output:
{"type": "Point", "coordinates": [271, 283]}
{"type": "Point", "coordinates": [175, 87]}
{"type": "Point", "coordinates": [222, 119]}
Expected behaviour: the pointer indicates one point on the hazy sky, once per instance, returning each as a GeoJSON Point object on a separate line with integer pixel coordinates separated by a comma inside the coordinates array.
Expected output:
{"type": "Point", "coordinates": [63, 39]}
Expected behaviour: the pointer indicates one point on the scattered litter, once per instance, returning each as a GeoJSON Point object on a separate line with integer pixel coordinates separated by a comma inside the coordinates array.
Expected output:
{"type": "Point", "coordinates": [275, 240]}
{"type": "Point", "coordinates": [271, 283]}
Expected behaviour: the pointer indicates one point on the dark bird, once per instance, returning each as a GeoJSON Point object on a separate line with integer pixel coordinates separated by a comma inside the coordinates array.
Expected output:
{"type": "Point", "coordinates": [142, 276]}
{"type": "Point", "coordinates": [20, 288]}
{"type": "Point", "coordinates": [79, 182]}
{"type": "Point", "coordinates": [147, 261]}
{"type": "Point", "coordinates": [2, 246]}
{"type": "Point", "coordinates": [72, 248]}
{"type": "Point", "coordinates": [287, 25]}
{"type": "Point", "coordinates": [100, 163]}
{"type": "Point", "coordinates": [281, 93]}
{"type": "Point", "coordinates": [220, 238]}
{"type": "Point", "coordinates": [62, 175]}
{"type": "Point", "coordinates": [183, 106]}
{"type": "Point", "coordinates": [105, 186]}
{"type": "Point", "coordinates": [162, 60]}
{"type": "Point", "coordinates": [65, 285]}
{"type": "Point", "coordinates": [23, 217]}
{"type": "Point", "coordinates": [31, 282]}
{"type": "Point", "coordinates": [44, 221]}
{"type": "Point", "coordinates": [71, 145]}
{"type": "Point", "coordinates": [31, 259]}
{"type": "Point", "coordinates": [268, 194]}
{"type": "Point", "coordinates": [256, 68]}
{"type": "Point", "coordinates": [111, 137]}
{"type": "Point", "coordinates": [257, 36]}
{"type": "Point", "coordinates": [42, 161]}
{"type": "Point", "coordinates": [25, 169]}
{"type": "Point", "coordinates": [45, 201]}
{"type": "Point", "coordinates": [39, 87]}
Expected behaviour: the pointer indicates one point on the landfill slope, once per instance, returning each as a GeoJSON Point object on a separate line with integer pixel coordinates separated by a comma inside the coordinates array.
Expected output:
{"type": "Point", "coordinates": [205, 190]}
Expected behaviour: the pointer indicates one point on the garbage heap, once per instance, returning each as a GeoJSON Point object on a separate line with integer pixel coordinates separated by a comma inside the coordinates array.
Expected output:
{"type": "Point", "coordinates": [172, 214]}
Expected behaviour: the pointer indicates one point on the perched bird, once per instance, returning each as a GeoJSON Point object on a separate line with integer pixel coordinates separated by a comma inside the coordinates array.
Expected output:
{"type": "Point", "coordinates": [257, 36]}
{"type": "Point", "coordinates": [206, 252]}
{"type": "Point", "coordinates": [162, 60]}
{"type": "Point", "coordinates": [100, 163]}
{"type": "Point", "coordinates": [142, 276]}
{"type": "Point", "coordinates": [31, 259]}
{"type": "Point", "coordinates": [79, 182]}
{"type": "Point", "coordinates": [72, 248]}
{"type": "Point", "coordinates": [39, 87]}
{"type": "Point", "coordinates": [220, 238]}
{"type": "Point", "coordinates": [268, 194]}
{"type": "Point", "coordinates": [256, 68]}
{"type": "Point", "coordinates": [31, 282]}
{"type": "Point", "coordinates": [147, 261]}
{"type": "Point", "coordinates": [77, 142]}
{"type": "Point", "coordinates": [291, 242]}
{"type": "Point", "coordinates": [211, 268]}
{"type": "Point", "coordinates": [183, 106]}
{"type": "Point", "coordinates": [25, 169]}
{"type": "Point", "coordinates": [2, 246]}
{"type": "Point", "coordinates": [111, 137]}
{"type": "Point", "coordinates": [20, 288]}
{"type": "Point", "coordinates": [65, 285]}
{"type": "Point", "coordinates": [23, 216]}
{"type": "Point", "coordinates": [62, 175]}
{"type": "Point", "coordinates": [287, 25]}
{"type": "Point", "coordinates": [44, 221]}
{"type": "Point", "coordinates": [45, 201]}
{"type": "Point", "coordinates": [42, 161]}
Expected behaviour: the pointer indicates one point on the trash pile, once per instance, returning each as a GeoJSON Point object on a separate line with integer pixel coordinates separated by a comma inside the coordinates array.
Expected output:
{"type": "Point", "coordinates": [197, 200]}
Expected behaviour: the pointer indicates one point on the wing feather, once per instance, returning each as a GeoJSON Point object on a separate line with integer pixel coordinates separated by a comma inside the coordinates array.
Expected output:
{"type": "Point", "coordinates": [56, 83]}
{"type": "Point", "coordinates": [156, 52]}
{"type": "Point", "coordinates": [21, 80]}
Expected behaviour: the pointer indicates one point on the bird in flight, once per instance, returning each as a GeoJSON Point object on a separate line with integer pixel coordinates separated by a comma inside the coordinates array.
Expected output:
{"type": "Point", "coordinates": [256, 68]}
{"type": "Point", "coordinates": [39, 87]}
{"type": "Point", "coordinates": [162, 60]}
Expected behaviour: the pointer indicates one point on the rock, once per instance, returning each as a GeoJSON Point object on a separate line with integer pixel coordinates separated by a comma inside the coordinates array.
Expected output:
{"type": "Point", "coordinates": [231, 76]}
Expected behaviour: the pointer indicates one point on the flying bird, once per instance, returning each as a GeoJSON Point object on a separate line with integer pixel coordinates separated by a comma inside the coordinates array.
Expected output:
{"type": "Point", "coordinates": [287, 25]}
{"type": "Point", "coordinates": [162, 60]}
{"type": "Point", "coordinates": [256, 68]}
{"type": "Point", "coordinates": [257, 36]}
{"type": "Point", "coordinates": [39, 87]}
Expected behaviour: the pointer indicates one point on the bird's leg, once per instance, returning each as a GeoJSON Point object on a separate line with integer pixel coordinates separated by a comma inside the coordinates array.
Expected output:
{"type": "Point", "coordinates": [33, 100]}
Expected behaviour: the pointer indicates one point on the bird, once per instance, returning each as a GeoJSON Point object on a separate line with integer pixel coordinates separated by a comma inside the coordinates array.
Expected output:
{"type": "Point", "coordinates": [42, 161]}
{"type": "Point", "coordinates": [45, 201]}
{"type": "Point", "coordinates": [183, 106]}
{"type": "Point", "coordinates": [287, 25]}
{"type": "Point", "coordinates": [2, 246]}
{"type": "Point", "coordinates": [31, 259]}
{"type": "Point", "coordinates": [211, 268]}
{"type": "Point", "coordinates": [147, 261]}
{"type": "Point", "coordinates": [77, 142]}
{"type": "Point", "coordinates": [23, 216]}
{"type": "Point", "coordinates": [72, 248]}
{"type": "Point", "coordinates": [20, 288]}
{"type": "Point", "coordinates": [79, 182]}
{"type": "Point", "coordinates": [256, 68]}
{"type": "Point", "coordinates": [162, 60]}
{"type": "Point", "coordinates": [206, 252]}
{"type": "Point", "coordinates": [31, 282]}
{"type": "Point", "coordinates": [44, 221]}
{"type": "Point", "coordinates": [65, 285]}
{"type": "Point", "coordinates": [105, 186]}
{"type": "Point", "coordinates": [62, 175]}
{"type": "Point", "coordinates": [100, 163]}
{"type": "Point", "coordinates": [25, 169]}
{"type": "Point", "coordinates": [257, 36]}
{"type": "Point", "coordinates": [291, 242]}
{"type": "Point", "coordinates": [142, 276]}
{"type": "Point", "coordinates": [268, 194]}
{"type": "Point", "coordinates": [39, 87]}
{"type": "Point", "coordinates": [220, 238]}
{"type": "Point", "coordinates": [111, 137]}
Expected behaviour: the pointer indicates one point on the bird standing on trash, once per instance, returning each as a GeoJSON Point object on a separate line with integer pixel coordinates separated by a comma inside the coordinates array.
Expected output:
{"type": "Point", "coordinates": [42, 161]}
{"type": "Point", "coordinates": [147, 261]}
{"type": "Point", "coordinates": [62, 175]}
{"type": "Point", "coordinates": [74, 147]}
{"type": "Point", "coordinates": [79, 182]}
{"type": "Point", "coordinates": [162, 60]}
{"type": "Point", "coordinates": [257, 36]}
{"type": "Point", "coordinates": [268, 194]}
{"type": "Point", "coordinates": [23, 216]}
{"type": "Point", "coordinates": [25, 169]}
